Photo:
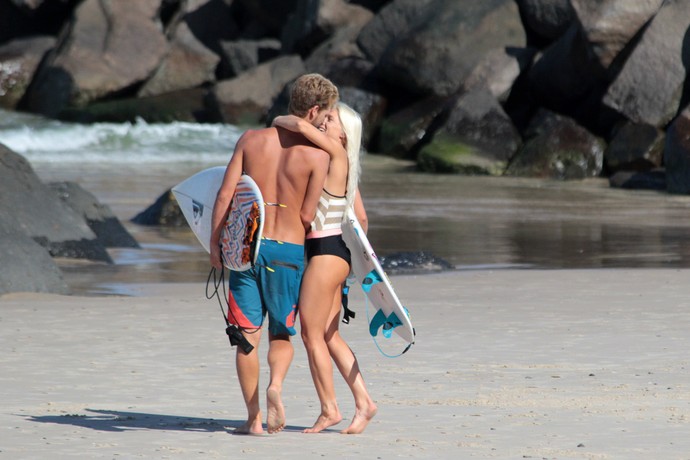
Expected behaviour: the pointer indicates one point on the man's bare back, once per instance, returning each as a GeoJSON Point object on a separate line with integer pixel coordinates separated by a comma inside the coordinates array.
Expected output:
{"type": "Point", "coordinates": [290, 175]}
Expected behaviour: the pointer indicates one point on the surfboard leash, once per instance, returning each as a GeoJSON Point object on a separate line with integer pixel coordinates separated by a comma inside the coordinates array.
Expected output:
{"type": "Point", "coordinates": [234, 334]}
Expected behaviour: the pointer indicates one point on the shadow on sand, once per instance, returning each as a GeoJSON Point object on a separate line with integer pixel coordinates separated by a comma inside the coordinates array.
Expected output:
{"type": "Point", "coordinates": [119, 421]}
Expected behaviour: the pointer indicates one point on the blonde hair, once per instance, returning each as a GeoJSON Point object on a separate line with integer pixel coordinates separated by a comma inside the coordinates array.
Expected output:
{"type": "Point", "coordinates": [309, 90]}
{"type": "Point", "coordinates": [351, 123]}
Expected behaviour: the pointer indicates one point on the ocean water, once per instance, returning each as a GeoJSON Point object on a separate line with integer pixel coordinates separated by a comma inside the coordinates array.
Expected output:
{"type": "Point", "coordinates": [471, 222]}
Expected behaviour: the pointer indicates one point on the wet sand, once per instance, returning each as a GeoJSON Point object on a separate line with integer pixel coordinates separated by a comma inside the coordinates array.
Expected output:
{"type": "Point", "coordinates": [586, 364]}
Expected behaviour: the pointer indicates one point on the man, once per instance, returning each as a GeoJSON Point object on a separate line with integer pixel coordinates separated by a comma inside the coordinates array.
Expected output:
{"type": "Point", "coordinates": [290, 174]}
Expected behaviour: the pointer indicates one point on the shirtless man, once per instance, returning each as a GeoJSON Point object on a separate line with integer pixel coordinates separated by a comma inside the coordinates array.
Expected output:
{"type": "Point", "coordinates": [290, 174]}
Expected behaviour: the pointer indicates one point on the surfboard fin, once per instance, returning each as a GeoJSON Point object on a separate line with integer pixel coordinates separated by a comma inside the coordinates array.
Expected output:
{"type": "Point", "coordinates": [370, 280]}
{"type": "Point", "coordinates": [385, 323]}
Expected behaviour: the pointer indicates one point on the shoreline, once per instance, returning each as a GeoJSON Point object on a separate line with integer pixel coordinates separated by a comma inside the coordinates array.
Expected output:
{"type": "Point", "coordinates": [508, 364]}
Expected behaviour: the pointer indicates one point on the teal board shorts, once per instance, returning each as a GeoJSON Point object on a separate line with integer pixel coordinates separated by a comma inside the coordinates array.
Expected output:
{"type": "Point", "coordinates": [270, 288]}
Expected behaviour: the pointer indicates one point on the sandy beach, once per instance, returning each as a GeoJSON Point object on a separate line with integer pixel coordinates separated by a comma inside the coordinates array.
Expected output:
{"type": "Point", "coordinates": [587, 364]}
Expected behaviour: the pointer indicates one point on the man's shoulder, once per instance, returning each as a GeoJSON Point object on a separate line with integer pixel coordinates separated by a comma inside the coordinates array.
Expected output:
{"type": "Point", "coordinates": [259, 133]}
{"type": "Point", "coordinates": [310, 151]}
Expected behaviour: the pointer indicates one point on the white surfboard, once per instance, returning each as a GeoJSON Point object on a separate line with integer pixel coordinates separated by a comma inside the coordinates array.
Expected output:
{"type": "Point", "coordinates": [390, 313]}
{"type": "Point", "coordinates": [196, 197]}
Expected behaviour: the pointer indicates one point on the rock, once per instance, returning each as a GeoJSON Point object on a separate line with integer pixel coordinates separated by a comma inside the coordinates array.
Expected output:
{"type": "Point", "coordinates": [370, 107]}
{"type": "Point", "coordinates": [19, 60]}
{"type": "Point", "coordinates": [270, 14]}
{"type": "Point", "coordinates": [210, 21]}
{"type": "Point", "coordinates": [639, 180]}
{"type": "Point", "coordinates": [498, 71]}
{"type": "Point", "coordinates": [109, 48]}
{"type": "Point", "coordinates": [30, 18]}
{"type": "Point", "coordinates": [446, 42]}
{"type": "Point", "coordinates": [340, 46]}
{"type": "Point", "coordinates": [165, 211]}
{"type": "Point", "coordinates": [556, 147]}
{"type": "Point", "coordinates": [29, 206]}
{"type": "Point", "coordinates": [564, 75]}
{"type": "Point", "coordinates": [241, 55]}
{"type": "Point", "coordinates": [191, 105]}
{"type": "Point", "coordinates": [100, 219]}
{"type": "Point", "coordinates": [313, 21]}
{"type": "Point", "coordinates": [548, 19]}
{"type": "Point", "coordinates": [189, 64]}
{"type": "Point", "coordinates": [394, 20]}
{"type": "Point", "coordinates": [635, 147]}
{"type": "Point", "coordinates": [26, 266]}
{"type": "Point", "coordinates": [477, 138]}
{"type": "Point", "coordinates": [608, 27]}
{"type": "Point", "coordinates": [677, 154]}
{"type": "Point", "coordinates": [403, 132]}
{"type": "Point", "coordinates": [247, 98]}
{"type": "Point", "coordinates": [649, 88]}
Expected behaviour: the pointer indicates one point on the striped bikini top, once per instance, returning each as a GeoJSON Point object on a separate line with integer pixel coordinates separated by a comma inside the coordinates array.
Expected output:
{"type": "Point", "coordinates": [329, 215]}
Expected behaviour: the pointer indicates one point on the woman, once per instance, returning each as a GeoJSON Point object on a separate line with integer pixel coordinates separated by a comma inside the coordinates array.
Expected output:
{"type": "Point", "coordinates": [329, 265]}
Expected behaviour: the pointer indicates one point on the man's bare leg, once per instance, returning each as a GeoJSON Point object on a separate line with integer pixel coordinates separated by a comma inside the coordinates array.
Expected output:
{"type": "Point", "coordinates": [280, 355]}
{"type": "Point", "coordinates": [248, 375]}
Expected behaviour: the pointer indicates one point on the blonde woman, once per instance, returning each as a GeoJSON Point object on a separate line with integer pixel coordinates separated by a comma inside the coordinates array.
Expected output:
{"type": "Point", "coordinates": [328, 265]}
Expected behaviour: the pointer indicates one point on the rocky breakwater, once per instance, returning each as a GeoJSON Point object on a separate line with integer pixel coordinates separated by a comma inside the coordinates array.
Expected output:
{"type": "Point", "coordinates": [561, 89]}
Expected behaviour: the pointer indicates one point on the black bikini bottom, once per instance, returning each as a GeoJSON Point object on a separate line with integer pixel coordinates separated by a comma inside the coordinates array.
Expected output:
{"type": "Point", "coordinates": [329, 245]}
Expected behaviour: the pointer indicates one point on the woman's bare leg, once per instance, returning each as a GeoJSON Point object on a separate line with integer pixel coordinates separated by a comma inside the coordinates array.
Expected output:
{"type": "Point", "coordinates": [321, 280]}
{"type": "Point", "coordinates": [345, 360]}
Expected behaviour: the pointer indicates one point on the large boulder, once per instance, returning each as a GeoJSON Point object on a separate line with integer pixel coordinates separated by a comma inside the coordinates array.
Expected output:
{"type": "Point", "coordinates": [556, 147]}
{"type": "Point", "coordinates": [268, 14]}
{"type": "Point", "coordinates": [677, 154]}
{"type": "Point", "coordinates": [190, 105]}
{"type": "Point", "coordinates": [370, 107]}
{"type": "Point", "coordinates": [315, 20]}
{"type": "Point", "coordinates": [99, 217]}
{"type": "Point", "coordinates": [649, 87]}
{"type": "Point", "coordinates": [238, 56]}
{"type": "Point", "coordinates": [32, 208]}
{"type": "Point", "coordinates": [164, 211]}
{"type": "Point", "coordinates": [547, 19]}
{"type": "Point", "coordinates": [564, 75]}
{"type": "Point", "coordinates": [108, 48]}
{"type": "Point", "coordinates": [211, 21]}
{"type": "Point", "coordinates": [608, 27]}
{"type": "Point", "coordinates": [499, 70]}
{"type": "Point", "coordinates": [393, 20]}
{"type": "Point", "coordinates": [19, 60]}
{"type": "Point", "coordinates": [247, 98]}
{"type": "Point", "coordinates": [477, 138]}
{"type": "Point", "coordinates": [26, 266]}
{"type": "Point", "coordinates": [402, 133]}
{"type": "Point", "coordinates": [189, 64]}
{"type": "Point", "coordinates": [635, 147]}
{"type": "Point", "coordinates": [446, 41]}
{"type": "Point", "coordinates": [339, 47]}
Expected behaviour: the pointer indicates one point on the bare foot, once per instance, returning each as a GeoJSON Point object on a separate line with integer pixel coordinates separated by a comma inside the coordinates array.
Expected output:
{"type": "Point", "coordinates": [361, 420]}
{"type": "Point", "coordinates": [324, 422]}
{"type": "Point", "coordinates": [276, 411]}
{"type": "Point", "coordinates": [250, 427]}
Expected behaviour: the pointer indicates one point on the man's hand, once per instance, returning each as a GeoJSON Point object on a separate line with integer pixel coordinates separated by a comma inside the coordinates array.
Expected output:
{"type": "Point", "coordinates": [215, 257]}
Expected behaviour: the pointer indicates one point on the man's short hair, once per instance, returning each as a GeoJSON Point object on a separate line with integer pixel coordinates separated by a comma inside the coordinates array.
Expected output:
{"type": "Point", "coordinates": [310, 90]}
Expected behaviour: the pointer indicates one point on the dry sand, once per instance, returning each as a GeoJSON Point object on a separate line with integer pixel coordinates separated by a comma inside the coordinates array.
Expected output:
{"type": "Point", "coordinates": [511, 364]}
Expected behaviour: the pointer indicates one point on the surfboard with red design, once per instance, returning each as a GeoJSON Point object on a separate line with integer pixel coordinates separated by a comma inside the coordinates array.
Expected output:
{"type": "Point", "coordinates": [242, 231]}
